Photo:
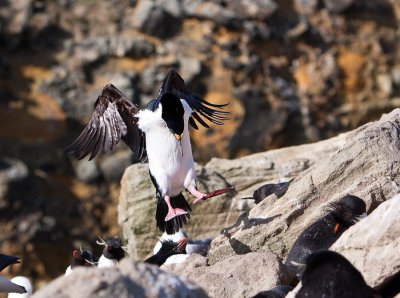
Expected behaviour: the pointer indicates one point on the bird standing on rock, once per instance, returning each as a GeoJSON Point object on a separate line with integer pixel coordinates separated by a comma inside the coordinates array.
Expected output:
{"type": "Point", "coordinates": [160, 130]}
{"type": "Point", "coordinates": [81, 258]}
{"type": "Point", "coordinates": [168, 249]}
{"type": "Point", "coordinates": [113, 252]}
{"type": "Point", "coordinates": [325, 231]}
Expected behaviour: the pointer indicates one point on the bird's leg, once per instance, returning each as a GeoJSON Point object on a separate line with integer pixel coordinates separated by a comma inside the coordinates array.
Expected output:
{"type": "Point", "coordinates": [202, 197]}
{"type": "Point", "coordinates": [172, 212]}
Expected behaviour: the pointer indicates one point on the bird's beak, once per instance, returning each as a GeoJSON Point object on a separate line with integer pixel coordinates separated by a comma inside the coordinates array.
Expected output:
{"type": "Point", "coordinates": [178, 137]}
{"type": "Point", "coordinates": [182, 244]}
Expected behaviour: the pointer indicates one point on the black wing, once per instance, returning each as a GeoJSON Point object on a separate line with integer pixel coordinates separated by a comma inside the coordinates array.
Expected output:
{"type": "Point", "coordinates": [201, 109]}
{"type": "Point", "coordinates": [6, 261]}
{"type": "Point", "coordinates": [113, 119]}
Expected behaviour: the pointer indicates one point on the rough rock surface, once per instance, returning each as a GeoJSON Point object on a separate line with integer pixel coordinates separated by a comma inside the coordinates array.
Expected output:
{"type": "Point", "coordinates": [137, 202]}
{"type": "Point", "coordinates": [294, 71]}
{"type": "Point", "coordinates": [236, 276]}
{"type": "Point", "coordinates": [372, 245]}
{"type": "Point", "coordinates": [129, 279]}
{"type": "Point", "coordinates": [366, 164]}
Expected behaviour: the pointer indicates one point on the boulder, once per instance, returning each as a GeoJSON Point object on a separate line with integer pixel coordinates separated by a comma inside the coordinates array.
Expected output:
{"type": "Point", "coordinates": [137, 202]}
{"type": "Point", "coordinates": [364, 163]}
{"type": "Point", "coordinates": [372, 245]}
{"type": "Point", "coordinates": [236, 276]}
{"type": "Point", "coordinates": [129, 279]}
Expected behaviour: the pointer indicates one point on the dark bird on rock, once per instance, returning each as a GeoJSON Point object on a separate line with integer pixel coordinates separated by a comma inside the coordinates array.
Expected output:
{"type": "Point", "coordinates": [279, 189]}
{"type": "Point", "coordinates": [160, 131]}
{"type": "Point", "coordinates": [168, 249]}
{"type": "Point", "coordinates": [325, 231]}
{"type": "Point", "coordinates": [113, 252]}
{"type": "Point", "coordinates": [81, 258]}
{"type": "Point", "coordinates": [7, 286]}
{"type": "Point", "coordinates": [329, 274]}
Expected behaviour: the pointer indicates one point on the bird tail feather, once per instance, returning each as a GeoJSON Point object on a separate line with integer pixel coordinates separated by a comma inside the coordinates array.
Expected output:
{"type": "Point", "coordinates": [172, 226]}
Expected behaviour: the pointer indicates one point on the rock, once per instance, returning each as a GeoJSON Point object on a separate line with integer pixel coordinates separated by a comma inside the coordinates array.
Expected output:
{"type": "Point", "coordinates": [150, 18]}
{"type": "Point", "coordinates": [86, 171]}
{"type": "Point", "coordinates": [113, 166]}
{"type": "Point", "coordinates": [137, 202]}
{"type": "Point", "coordinates": [372, 244]}
{"type": "Point", "coordinates": [364, 163]}
{"type": "Point", "coordinates": [11, 170]}
{"type": "Point", "coordinates": [15, 17]}
{"type": "Point", "coordinates": [129, 279]}
{"type": "Point", "coordinates": [306, 7]}
{"type": "Point", "coordinates": [337, 6]}
{"type": "Point", "coordinates": [253, 9]}
{"type": "Point", "coordinates": [236, 276]}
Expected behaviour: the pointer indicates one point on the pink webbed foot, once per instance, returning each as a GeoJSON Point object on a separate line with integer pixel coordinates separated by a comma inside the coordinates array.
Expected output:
{"type": "Point", "coordinates": [202, 197]}
{"type": "Point", "coordinates": [172, 212]}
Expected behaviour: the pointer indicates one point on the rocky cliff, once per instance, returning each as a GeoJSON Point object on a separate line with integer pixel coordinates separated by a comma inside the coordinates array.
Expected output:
{"type": "Point", "coordinates": [294, 72]}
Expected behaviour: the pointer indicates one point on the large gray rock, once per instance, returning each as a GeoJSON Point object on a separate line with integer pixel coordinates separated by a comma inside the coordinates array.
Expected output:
{"type": "Point", "coordinates": [372, 245]}
{"type": "Point", "coordinates": [237, 276]}
{"type": "Point", "coordinates": [137, 202]}
{"type": "Point", "coordinates": [365, 163]}
{"type": "Point", "coordinates": [129, 279]}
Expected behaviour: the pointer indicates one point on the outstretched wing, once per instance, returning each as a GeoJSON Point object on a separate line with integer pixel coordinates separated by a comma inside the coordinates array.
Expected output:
{"type": "Point", "coordinates": [201, 108]}
{"type": "Point", "coordinates": [113, 119]}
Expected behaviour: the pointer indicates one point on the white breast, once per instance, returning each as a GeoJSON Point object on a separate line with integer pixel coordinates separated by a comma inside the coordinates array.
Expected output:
{"type": "Point", "coordinates": [106, 263]}
{"type": "Point", "coordinates": [68, 271]}
{"type": "Point", "coordinates": [170, 161]}
{"type": "Point", "coordinates": [176, 259]}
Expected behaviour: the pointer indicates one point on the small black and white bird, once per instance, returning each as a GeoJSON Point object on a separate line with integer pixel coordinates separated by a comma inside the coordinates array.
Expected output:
{"type": "Point", "coordinates": [7, 286]}
{"type": "Point", "coordinates": [113, 252]}
{"type": "Point", "coordinates": [329, 274]}
{"type": "Point", "coordinates": [325, 231]}
{"type": "Point", "coordinates": [81, 258]}
{"type": "Point", "coordinates": [168, 249]}
{"type": "Point", "coordinates": [200, 246]}
{"type": "Point", "coordinates": [160, 131]}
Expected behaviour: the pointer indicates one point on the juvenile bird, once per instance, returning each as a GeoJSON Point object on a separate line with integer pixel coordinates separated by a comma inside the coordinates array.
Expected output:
{"type": "Point", "coordinates": [325, 231]}
{"type": "Point", "coordinates": [329, 274]}
{"type": "Point", "coordinates": [81, 258]}
{"type": "Point", "coordinates": [113, 252]}
{"type": "Point", "coordinates": [160, 131]}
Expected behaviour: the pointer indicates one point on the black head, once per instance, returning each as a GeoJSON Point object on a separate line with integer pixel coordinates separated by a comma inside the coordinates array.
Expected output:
{"type": "Point", "coordinates": [168, 248]}
{"type": "Point", "coordinates": [328, 274]}
{"type": "Point", "coordinates": [348, 210]}
{"type": "Point", "coordinates": [172, 113]}
{"type": "Point", "coordinates": [83, 258]}
{"type": "Point", "coordinates": [113, 249]}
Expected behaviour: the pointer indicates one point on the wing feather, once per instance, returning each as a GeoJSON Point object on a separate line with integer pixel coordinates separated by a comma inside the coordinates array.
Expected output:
{"type": "Point", "coordinates": [113, 119]}
{"type": "Point", "coordinates": [201, 108]}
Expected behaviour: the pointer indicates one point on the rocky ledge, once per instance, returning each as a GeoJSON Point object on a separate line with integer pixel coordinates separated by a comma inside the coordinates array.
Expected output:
{"type": "Point", "coordinates": [251, 240]}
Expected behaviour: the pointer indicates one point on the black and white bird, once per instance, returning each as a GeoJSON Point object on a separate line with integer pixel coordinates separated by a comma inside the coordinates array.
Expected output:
{"type": "Point", "coordinates": [200, 247]}
{"type": "Point", "coordinates": [168, 249]}
{"type": "Point", "coordinates": [159, 132]}
{"type": "Point", "coordinates": [113, 252]}
{"type": "Point", "coordinates": [81, 258]}
{"type": "Point", "coordinates": [7, 286]}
